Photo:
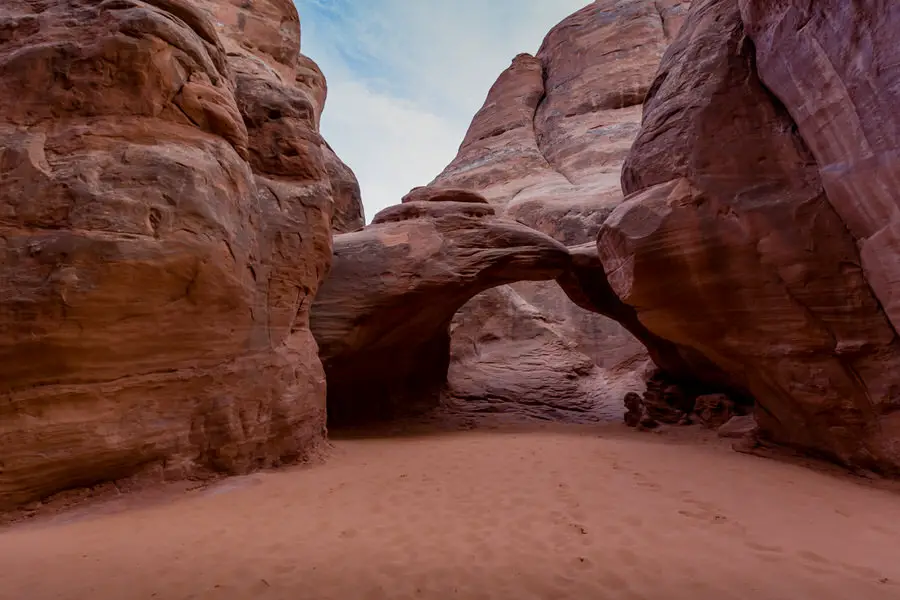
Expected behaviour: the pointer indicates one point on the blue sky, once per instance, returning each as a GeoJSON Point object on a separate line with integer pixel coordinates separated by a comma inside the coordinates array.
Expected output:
{"type": "Point", "coordinates": [405, 77]}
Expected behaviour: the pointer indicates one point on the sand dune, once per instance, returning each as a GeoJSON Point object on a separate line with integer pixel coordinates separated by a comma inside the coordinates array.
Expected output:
{"type": "Point", "coordinates": [582, 513]}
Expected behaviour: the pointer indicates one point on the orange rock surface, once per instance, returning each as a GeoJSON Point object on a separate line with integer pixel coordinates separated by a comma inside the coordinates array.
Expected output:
{"type": "Point", "coordinates": [166, 205]}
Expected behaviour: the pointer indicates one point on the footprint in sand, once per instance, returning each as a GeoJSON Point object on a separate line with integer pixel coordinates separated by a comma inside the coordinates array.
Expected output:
{"type": "Point", "coordinates": [813, 557]}
{"type": "Point", "coordinates": [628, 557]}
{"type": "Point", "coordinates": [474, 538]}
{"type": "Point", "coordinates": [764, 548]}
{"type": "Point", "coordinates": [884, 530]}
{"type": "Point", "coordinates": [864, 572]}
{"type": "Point", "coordinates": [643, 481]}
{"type": "Point", "coordinates": [284, 568]}
{"type": "Point", "coordinates": [633, 521]}
{"type": "Point", "coordinates": [815, 563]}
{"type": "Point", "coordinates": [613, 581]}
{"type": "Point", "coordinates": [709, 517]}
{"type": "Point", "coordinates": [570, 502]}
{"type": "Point", "coordinates": [701, 504]}
{"type": "Point", "coordinates": [578, 528]}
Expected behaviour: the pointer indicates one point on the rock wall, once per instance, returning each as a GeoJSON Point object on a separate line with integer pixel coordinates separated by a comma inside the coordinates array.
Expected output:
{"type": "Point", "coordinates": [758, 226]}
{"type": "Point", "coordinates": [166, 205]}
{"type": "Point", "coordinates": [547, 149]}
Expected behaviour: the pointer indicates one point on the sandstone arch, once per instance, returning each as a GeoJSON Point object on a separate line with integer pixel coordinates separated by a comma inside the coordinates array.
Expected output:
{"type": "Point", "coordinates": [381, 318]}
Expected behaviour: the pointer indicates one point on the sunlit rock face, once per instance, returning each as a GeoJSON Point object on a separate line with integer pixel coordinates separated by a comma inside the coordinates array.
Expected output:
{"type": "Point", "coordinates": [760, 225]}
{"type": "Point", "coordinates": [166, 207]}
{"type": "Point", "coordinates": [547, 149]}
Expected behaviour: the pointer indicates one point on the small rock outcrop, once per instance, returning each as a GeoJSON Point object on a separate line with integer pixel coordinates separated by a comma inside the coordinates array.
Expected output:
{"type": "Point", "coordinates": [759, 225]}
{"type": "Point", "coordinates": [714, 410]}
{"type": "Point", "coordinates": [166, 205]}
{"type": "Point", "coordinates": [666, 402]}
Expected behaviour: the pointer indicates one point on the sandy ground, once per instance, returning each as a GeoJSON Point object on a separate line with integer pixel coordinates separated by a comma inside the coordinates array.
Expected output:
{"type": "Point", "coordinates": [584, 513]}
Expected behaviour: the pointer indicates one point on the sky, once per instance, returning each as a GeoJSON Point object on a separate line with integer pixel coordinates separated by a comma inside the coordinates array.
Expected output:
{"type": "Point", "coordinates": [405, 78]}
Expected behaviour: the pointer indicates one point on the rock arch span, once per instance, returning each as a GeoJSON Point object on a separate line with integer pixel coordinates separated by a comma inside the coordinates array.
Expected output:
{"type": "Point", "coordinates": [382, 317]}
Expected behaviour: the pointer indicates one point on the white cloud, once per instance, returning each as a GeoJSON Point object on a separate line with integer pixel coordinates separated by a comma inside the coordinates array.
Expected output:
{"type": "Point", "coordinates": [405, 78]}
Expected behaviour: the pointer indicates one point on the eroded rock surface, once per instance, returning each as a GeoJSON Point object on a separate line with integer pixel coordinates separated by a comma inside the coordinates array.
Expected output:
{"type": "Point", "coordinates": [834, 66]}
{"type": "Point", "coordinates": [549, 142]}
{"type": "Point", "coordinates": [527, 367]}
{"type": "Point", "coordinates": [385, 317]}
{"type": "Point", "coordinates": [381, 318]}
{"type": "Point", "coordinates": [546, 149]}
{"type": "Point", "coordinates": [165, 219]}
{"type": "Point", "coordinates": [750, 216]}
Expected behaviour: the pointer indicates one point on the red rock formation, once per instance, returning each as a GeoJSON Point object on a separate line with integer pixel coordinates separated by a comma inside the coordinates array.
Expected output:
{"type": "Point", "coordinates": [843, 98]}
{"type": "Point", "coordinates": [165, 219]}
{"type": "Point", "coordinates": [546, 149]}
{"type": "Point", "coordinates": [381, 318]}
{"type": "Point", "coordinates": [738, 238]}
{"type": "Point", "coordinates": [549, 142]}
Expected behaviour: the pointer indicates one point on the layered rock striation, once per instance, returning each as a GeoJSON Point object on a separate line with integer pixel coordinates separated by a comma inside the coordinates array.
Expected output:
{"type": "Point", "coordinates": [546, 149]}
{"type": "Point", "coordinates": [758, 226]}
{"type": "Point", "coordinates": [166, 206]}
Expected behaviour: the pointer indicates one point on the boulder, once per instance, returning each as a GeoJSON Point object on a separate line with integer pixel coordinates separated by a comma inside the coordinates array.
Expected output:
{"type": "Point", "coordinates": [443, 194]}
{"type": "Point", "coordinates": [739, 426]}
{"type": "Point", "coordinates": [666, 402]}
{"type": "Point", "coordinates": [714, 410]}
{"type": "Point", "coordinates": [165, 220]}
{"type": "Point", "coordinates": [634, 407]}
{"type": "Point", "coordinates": [415, 210]}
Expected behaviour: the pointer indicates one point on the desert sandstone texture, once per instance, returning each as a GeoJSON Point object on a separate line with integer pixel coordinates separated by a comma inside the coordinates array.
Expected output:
{"type": "Point", "coordinates": [748, 224]}
{"type": "Point", "coordinates": [698, 194]}
{"type": "Point", "coordinates": [758, 235]}
{"type": "Point", "coordinates": [166, 213]}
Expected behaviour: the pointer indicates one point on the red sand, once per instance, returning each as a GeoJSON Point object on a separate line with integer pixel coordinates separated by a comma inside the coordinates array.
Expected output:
{"type": "Point", "coordinates": [581, 513]}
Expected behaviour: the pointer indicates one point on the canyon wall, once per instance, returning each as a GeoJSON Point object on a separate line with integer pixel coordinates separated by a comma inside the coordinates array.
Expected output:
{"type": "Point", "coordinates": [547, 149]}
{"type": "Point", "coordinates": [760, 226]}
{"type": "Point", "coordinates": [166, 207]}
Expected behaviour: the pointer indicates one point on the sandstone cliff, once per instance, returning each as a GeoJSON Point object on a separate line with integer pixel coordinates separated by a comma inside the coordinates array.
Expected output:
{"type": "Point", "coordinates": [166, 206]}
{"type": "Point", "coordinates": [761, 226]}
{"type": "Point", "coordinates": [547, 149]}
